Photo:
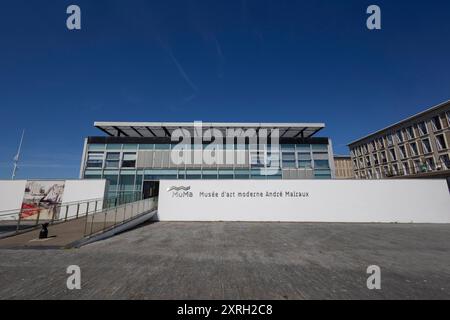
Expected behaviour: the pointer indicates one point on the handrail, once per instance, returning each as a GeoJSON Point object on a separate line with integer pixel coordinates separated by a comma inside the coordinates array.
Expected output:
{"type": "Point", "coordinates": [16, 211]}
{"type": "Point", "coordinates": [107, 200]}
{"type": "Point", "coordinates": [66, 211]}
{"type": "Point", "coordinates": [109, 218]}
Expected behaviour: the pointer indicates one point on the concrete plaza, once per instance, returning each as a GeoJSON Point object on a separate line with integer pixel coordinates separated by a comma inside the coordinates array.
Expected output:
{"type": "Point", "coordinates": [234, 260]}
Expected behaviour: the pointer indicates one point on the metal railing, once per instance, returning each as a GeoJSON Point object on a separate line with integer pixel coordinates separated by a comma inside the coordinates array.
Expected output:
{"type": "Point", "coordinates": [122, 198]}
{"type": "Point", "coordinates": [27, 218]}
{"type": "Point", "coordinates": [111, 217]}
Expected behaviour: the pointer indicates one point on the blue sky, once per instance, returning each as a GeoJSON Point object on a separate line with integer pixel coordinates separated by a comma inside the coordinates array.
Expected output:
{"type": "Point", "coordinates": [259, 60]}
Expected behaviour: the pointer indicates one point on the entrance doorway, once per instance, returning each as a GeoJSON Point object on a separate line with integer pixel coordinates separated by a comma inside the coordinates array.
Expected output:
{"type": "Point", "coordinates": [150, 189]}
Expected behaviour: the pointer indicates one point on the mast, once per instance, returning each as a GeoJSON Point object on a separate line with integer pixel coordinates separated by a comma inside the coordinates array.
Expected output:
{"type": "Point", "coordinates": [17, 157]}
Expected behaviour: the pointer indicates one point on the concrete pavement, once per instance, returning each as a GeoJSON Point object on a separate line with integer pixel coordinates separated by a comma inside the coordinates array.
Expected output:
{"type": "Point", "coordinates": [234, 260]}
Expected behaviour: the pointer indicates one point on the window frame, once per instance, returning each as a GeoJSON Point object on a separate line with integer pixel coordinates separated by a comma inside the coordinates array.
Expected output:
{"type": "Point", "coordinates": [122, 164]}
{"type": "Point", "coordinates": [441, 148]}
{"type": "Point", "coordinates": [433, 123]}
{"type": "Point", "coordinates": [421, 132]}
{"type": "Point", "coordinates": [88, 166]}
{"type": "Point", "coordinates": [423, 146]}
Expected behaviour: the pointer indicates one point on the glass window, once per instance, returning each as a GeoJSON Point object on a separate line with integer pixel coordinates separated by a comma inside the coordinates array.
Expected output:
{"type": "Point", "coordinates": [113, 146]}
{"type": "Point", "coordinates": [320, 147]}
{"type": "Point", "coordinates": [304, 156]}
{"type": "Point", "coordinates": [389, 139]}
{"type": "Point", "coordinates": [383, 157]}
{"type": "Point", "coordinates": [257, 174]}
{"type": "Point", "coordinates": [410, 133]}
{"type": "Point", "coordinates": [139, 179]}
{"type": "Point", "coordinates": [440, 142]}
{"type": "Point", "coordinates": [146, 146]}
{"type": "Point", "coordinates": [95, 160]}
{"type": "Point", "coordinates": [288, 160]}
{"type": "Point", "coordinates": [96, 147]}
{"type": "Point", "coordinates": [430, 164]}
{"type": "Point", "coordinates": [257, 159]}
{"type": "Point", "coordinates": [380, 143]}
{"type": "Point", "coordinates": [126, 183]}
{"type": "Point", "coordinates": [289, 164]}
{"type": "Point", "coordinates": [113, 179]}
{"type": "Point", "coordinates": [92, 176]}
{"type": "Point", "coordinates": [426, 145]}
{"type": "Point", "coordinates": [422, 128]}
{"type": "Point", "coordinates": [321, 164]}
{"type": "Point", "coordinates": [414, 150]}
{"type": "Point", "coordinates": [399, 136]}
{"type": "Point", "coordinates": [112, 160]}
{"type": "Point", "coordinates": [395, 169]}
{"type": "Point", "coordinates": [445, 161]}
{"type": "Point", "coordinates": [322, 174]}
{"type": "Point", "coordinates": [242, 174]}
{"type": "Point", "coordinates": [393, 154]}
{"type": "Point", "coordinates": [375, 158]}
{"type": "Point", "coordinates": [405, 168]}
{"type": "Point", "coordinates": [402, 152]}
{"type": "Point", "coordinates": [209, 174]}
{"type": "Point", "coordinates": [288, 156]}
{"type": "Point", "coordinates": [193, 174]}
{"type": "Point", "coordinates": [373, 146]}
{"type": "Point", "coordinates": [288, 147]}
{"type": "Point", "coordinates": [436, 121]}
{"type": "Point", "coordinates": [448, 117]}
{"type": "Point", "coordinates": [305, 164]}
{"type": "Point", "coordinates": [226, 174]}
{"type": "Point", "coordinates": [129, 160]}
{"type": "Point", "coordinates": [162, 146]}
{"type": "Point", "coordinates": [130, 147]}
{"type": "Point", "coordinates": [304, 147]}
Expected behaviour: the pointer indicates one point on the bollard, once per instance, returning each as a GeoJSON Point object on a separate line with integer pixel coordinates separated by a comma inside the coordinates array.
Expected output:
{"type": "Point", "coordinates": [43, 234]}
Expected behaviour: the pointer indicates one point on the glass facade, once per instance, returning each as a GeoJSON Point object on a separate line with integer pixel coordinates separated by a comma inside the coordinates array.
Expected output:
{"type": "Point", "coordinates": [120, 165]}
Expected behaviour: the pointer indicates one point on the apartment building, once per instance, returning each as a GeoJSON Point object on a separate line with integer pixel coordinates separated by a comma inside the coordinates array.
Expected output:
{"type": "Point", "coordinates": [414, 147]}
{"type": "Point", "coordinates": [343, 167]}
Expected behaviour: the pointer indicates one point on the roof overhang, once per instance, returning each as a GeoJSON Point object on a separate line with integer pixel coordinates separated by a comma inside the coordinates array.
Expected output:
{"type": "Point", "coordinates": [165, 129]}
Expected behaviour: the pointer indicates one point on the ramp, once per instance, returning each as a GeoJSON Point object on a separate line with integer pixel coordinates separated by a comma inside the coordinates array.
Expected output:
{"type": "Point", "coordinates": [83, 229]}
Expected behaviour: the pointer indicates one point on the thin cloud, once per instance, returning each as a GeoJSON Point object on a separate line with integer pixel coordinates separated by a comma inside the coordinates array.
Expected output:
{"type": "Point", "coordinates": [180, 68]}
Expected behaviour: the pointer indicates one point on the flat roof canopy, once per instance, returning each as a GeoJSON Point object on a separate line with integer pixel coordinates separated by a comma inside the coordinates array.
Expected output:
{"type": "Point", "coordinates": [165, 129]}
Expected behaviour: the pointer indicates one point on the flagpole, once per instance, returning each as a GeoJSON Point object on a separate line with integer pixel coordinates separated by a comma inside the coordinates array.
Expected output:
{"type": "Point", "coordinates": [17, 157]}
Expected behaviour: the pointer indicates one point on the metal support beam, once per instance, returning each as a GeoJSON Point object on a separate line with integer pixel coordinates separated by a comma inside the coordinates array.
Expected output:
{"type": "Point", "coordinates": [120, 132]}
{"type": "Point", "coordinates": [150, 130]}
{"type": "Point", "coordinates": [166, 131]}
{"type": "Point", "coordinates": [135, 130]}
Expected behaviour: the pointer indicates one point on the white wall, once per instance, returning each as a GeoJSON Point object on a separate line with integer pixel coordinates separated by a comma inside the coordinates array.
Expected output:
{"type": "Point", "coordinates": [420, 201]}
{"type": "Point", "coordinates": [11, 194]}
{"type": "Point", "coordinates": [83, 190]}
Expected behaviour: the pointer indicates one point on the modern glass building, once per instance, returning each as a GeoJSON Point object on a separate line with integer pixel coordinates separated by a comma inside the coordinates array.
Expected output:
{"type": "Point", "coordinates": [133, 157]}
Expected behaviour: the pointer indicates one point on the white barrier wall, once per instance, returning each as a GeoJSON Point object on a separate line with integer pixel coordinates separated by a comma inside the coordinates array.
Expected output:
{"type": "Point", "coordinates": [83, 190]}
{"type": "Point", "coordinates": [404, 201]}
{"type": "Point", "coordinates": [12, 195]}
